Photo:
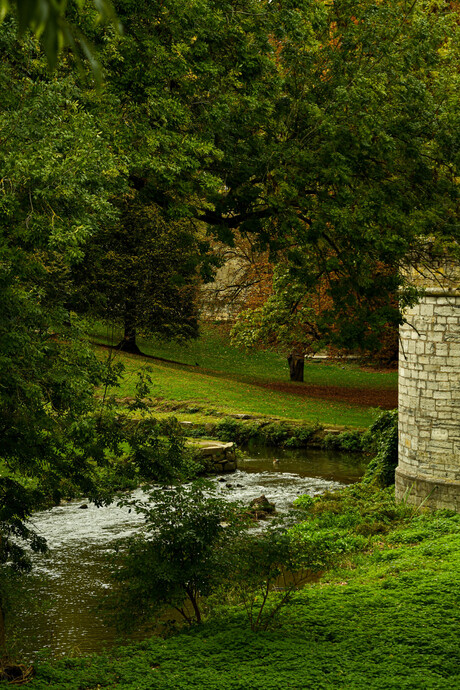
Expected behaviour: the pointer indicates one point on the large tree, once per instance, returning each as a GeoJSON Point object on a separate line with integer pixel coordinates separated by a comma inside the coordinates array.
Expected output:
{"type": "Point", "coordinates": [145, 273]}
{"type": "Point", "coordinates": [186, 81]}
{"type": "Point", "coordinates": [57, 176]}
{"type": "Point", "coordinates": [358, 161]}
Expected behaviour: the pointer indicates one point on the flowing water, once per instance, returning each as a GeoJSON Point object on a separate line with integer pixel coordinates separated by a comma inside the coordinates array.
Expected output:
{"type": "Point", "coordinates": [57, 610]}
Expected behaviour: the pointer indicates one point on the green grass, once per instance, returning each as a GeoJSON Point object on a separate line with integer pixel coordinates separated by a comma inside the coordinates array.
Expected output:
{"type": "Point", "coordinates": [390, 620]}
{"type": "Point", "coordinates": [213, 351]}
{"type": "Point", "coordinates": [223, 395]}
{"type": "Point", "coordinates": [230, 381]}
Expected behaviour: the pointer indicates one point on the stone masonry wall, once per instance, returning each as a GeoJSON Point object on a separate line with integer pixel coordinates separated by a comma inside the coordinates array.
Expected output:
{"type": "Point", "coordinates": [429, 399]}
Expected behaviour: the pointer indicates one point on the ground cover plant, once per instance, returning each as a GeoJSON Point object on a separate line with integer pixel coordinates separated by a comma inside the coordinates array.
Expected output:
{"type": "Point", "coordinates": [385, 617]}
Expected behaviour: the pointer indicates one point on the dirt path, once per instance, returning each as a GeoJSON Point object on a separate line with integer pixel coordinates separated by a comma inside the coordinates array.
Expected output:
{"type": "Point", "coordinates": [371, 397]}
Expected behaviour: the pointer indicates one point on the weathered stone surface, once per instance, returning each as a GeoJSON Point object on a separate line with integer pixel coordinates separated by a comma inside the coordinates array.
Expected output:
{"type": "Point", "coordinates": [260, 508]}
{"type": "Point", "coordinates": [429, 400]}
{"type": "Point", "coordinates": [217, 457]}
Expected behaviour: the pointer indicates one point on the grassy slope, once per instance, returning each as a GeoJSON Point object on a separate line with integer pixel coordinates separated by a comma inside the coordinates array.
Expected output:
{"type": "Point", "coordinates": [391, 621]}
{"type": "Point", "coordinates": [213, 351]}
{"type": "Point", "coordinates": [226, 380]}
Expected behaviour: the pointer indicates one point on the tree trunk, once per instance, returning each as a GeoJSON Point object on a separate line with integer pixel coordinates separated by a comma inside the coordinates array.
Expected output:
{"type": "Point", "coordinates": [3, 654]}
{"type": "Point", "coordinates": [296, 362]}
{"type": "Point", "coordinates": [193, 598]}
{"type": "Point", "coordinates": [128, 344]}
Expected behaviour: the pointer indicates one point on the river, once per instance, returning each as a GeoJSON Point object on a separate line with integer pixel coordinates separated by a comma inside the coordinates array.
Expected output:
{"type": "Point", "coordinates": [57, 609]}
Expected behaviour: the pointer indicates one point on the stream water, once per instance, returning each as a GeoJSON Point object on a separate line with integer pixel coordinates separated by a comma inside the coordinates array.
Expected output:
{"type": "Point", "coordinates": [57, 606]}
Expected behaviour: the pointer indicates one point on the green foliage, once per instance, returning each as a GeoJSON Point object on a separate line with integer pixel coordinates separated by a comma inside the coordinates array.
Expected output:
{"type": "Point", "coordinates": [280, 321]}
{"type": "Point", "coordinates": [359, 137]}
{"type": "Point", "coordinates": [267, 570]}
{"type": "Point", "coordinates": [48, 21]}
{"type": "Point", "coordinates": [351, 441]}
{"type": "Point", "coordinates": [301, 436]}
{"type": "Point", "coordinates": [278, 434]}
{"type": "Point", "coordinates": [154, 451]}
{"type": "Point", "coordinates": [181, 556]}
{"type": "Point", "coordinates": [358, 509]}
{"type": "Point", "coordinates": [173, 105]}
{"type": "Point", "coordinates": [57, 177]}
{"type": "Point", "coordinates": [382, 438]}
{"type": "Point", "coordinates": [115, 280]}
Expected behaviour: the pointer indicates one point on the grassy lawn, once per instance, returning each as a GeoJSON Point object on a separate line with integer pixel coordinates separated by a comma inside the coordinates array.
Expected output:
{"type": "Point", "coordinates": [230, 381]}
{"type": "Point", "coordinates": [213, 351]}
{"type": "Point", "coordinates": [223, 395]}
{"type": "Point", "coordinates": [389, 620]}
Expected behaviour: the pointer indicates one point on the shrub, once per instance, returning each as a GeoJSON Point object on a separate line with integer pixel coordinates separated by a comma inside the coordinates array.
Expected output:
{"type": "Point", "coordinates": [349, 441]}
{"type": "Point", "coordinates": [229, 429]}
{"type": "Point", "coordinates": [382, 438]}
{"type": "Point", "coordinates": [179, 558]}
{"type": "Point", "coordinates": [363, 509]}
{"type": "Point", "coordinates": [272, 434]}
{"type": "Point", "coordinates": [268, 569]}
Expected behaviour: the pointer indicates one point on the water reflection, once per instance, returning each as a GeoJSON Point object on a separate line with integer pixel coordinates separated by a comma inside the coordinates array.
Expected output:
{"type": "Point", "coordinates": [344, 468]}
{"type": "Point", "coordinates": [68, 584]}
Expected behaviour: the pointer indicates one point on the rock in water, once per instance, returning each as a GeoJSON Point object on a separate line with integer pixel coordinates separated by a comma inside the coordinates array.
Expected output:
{"type": "Point", "coordinates": [261, 508]}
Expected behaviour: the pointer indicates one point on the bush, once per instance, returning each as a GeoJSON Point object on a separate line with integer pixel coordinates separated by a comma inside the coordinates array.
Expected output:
{"type": "Point", "coordinates": [271, 434]}
{"type": "Point", "coordinates": [268, 569]}
{"type": "Point", "coordinates": [179, 558]}
{"type": "Point", "coordinates": [349, 441]}
{"type": "Point", "coordinates": [382, 438]}
{"type": "Point", "coordinates": [362, 509]}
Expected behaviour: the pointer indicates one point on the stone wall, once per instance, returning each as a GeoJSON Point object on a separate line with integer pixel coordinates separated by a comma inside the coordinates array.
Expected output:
{"type": "Point", "coordinates": [429, 394]}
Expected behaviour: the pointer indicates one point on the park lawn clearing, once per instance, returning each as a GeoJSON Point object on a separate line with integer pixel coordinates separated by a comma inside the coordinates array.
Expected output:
{"type": "Point", "coordinates": [222, 396]}
{"type": "Point", "coordinates": [215, 378]}
{"type": "Point", "coordinates": [389, 620]}
{"type": "Point", "coordinates": [213, 351]}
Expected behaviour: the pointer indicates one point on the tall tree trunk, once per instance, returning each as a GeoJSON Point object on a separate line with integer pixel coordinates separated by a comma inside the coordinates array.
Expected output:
{"type": "Point", "coordinates": [3, 654]}
{"type": "Point", "coordinates": [296, 362]}
{"type": "Point", "coordinates": [192, 595]}
{"type": "Point", "coordinates": [128, 344]}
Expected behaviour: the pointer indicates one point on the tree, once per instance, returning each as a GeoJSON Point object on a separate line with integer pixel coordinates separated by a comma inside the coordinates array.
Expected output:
{"type": "Point", "coordinates": [144, 272]}
{"type": "Point", "coordinates": [181, 557]}
{"type": "Point", "coordinates": [57, 439]}
{"type": "Point", "coordinates": [357, 165]}
{"type": "Point", "coordinates": [171, 95]}
{"type": "Point", "coordinates": [52, 196]}
{"type": "Point", "coordinates": [298, 321]}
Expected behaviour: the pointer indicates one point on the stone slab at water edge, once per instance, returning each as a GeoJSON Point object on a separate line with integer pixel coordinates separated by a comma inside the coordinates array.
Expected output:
{"type": "Point", "coordinates": [216, 456]}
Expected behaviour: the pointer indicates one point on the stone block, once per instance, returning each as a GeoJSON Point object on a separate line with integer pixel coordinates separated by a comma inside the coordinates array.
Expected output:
{"type": "Point", "coordinates": [440, 434]}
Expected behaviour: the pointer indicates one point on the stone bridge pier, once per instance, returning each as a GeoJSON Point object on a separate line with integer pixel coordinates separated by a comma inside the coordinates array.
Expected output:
{"type": "Point", "coordinates": [429, 393]}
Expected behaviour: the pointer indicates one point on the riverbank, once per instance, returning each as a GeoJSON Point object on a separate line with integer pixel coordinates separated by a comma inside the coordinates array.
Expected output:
{"type": "Point", "coordinates": [58, 605]}
{"type": "Point", "coordinates": [386, 617]}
